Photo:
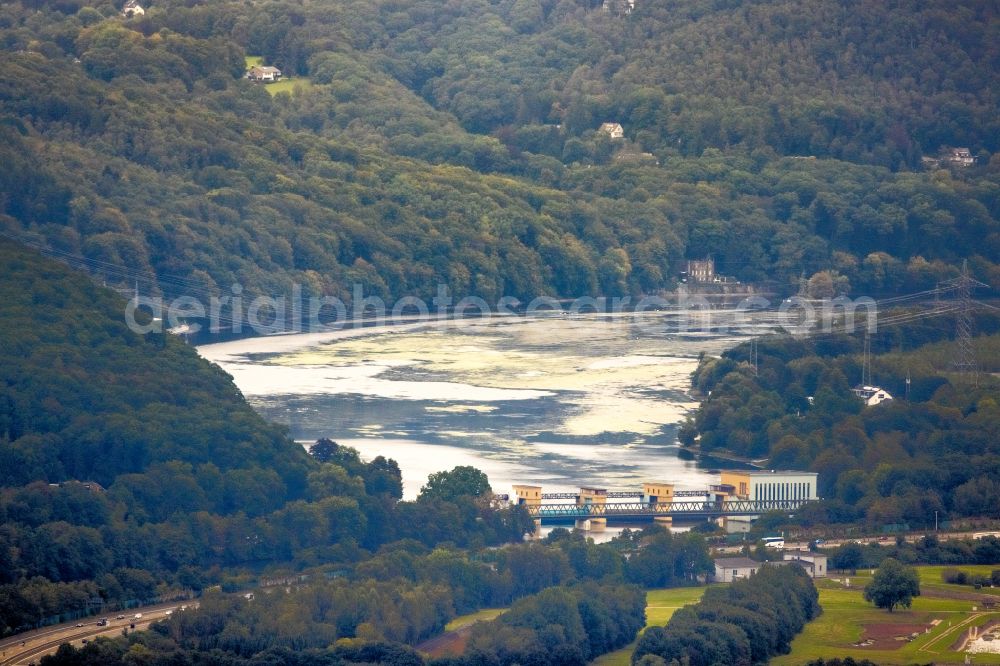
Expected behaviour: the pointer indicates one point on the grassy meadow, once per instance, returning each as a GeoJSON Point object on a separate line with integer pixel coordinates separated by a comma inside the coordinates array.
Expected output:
{"type": "Point", "coordinates": [288, 85]}
{"type": "Point", "coordinates": [660, 605]}
{"type": "Point", "coordinates": [846, 617]}
{"type": "Point", "coordinates": [483, 615]}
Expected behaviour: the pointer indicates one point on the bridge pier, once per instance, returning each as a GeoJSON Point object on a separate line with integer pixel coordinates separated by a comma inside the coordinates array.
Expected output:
{"type": "Point", "coordinates": [592, 498]}
{"type": "Point", "coordinates": [659, 496]}
{"type": "Point", "coordinates": [591, 524]}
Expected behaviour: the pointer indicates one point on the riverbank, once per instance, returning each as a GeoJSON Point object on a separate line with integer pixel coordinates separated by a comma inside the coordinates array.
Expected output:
{"type": "Point", "coordinates": [723, 455]}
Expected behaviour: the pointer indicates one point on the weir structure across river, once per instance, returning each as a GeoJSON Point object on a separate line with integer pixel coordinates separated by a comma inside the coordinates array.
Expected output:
{"type": "Point", "coordinates": [741, 497]}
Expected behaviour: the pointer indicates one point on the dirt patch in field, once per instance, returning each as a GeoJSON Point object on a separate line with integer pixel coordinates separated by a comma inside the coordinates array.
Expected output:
{"type": "Point", "coordinates": [448, 644]}
{"type": "Point", "coordinates": [889, 635]}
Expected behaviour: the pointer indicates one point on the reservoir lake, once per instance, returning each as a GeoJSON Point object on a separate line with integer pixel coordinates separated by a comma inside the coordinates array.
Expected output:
{"type": "Point", "coordinates": [557, 401]}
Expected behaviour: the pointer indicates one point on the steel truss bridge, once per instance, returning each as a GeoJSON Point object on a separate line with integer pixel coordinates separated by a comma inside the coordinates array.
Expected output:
{"type": "Point", "coordinates": [626, 494]}
{"type": "Point", "coordinates": [613, 494]}
{"type": "Point", "coordinates": [697, 509]}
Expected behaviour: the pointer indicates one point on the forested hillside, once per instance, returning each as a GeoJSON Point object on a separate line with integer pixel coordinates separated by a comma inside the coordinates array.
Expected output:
{"type": "Point", "coordinates": [85, 398]}
{"type": "Point", "coordinates": [458, 143]}
{"type": "Point", "coordinates": [931, 449]}
{"type": "Point", "coordinates": [131, 469]}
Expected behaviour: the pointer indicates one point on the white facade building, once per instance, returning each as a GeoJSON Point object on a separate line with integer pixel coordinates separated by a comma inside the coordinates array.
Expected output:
{"type": "Point", "coordinates": [872, 395]}
{"type": "Point", "coordinates": [728, 569]}
{"type": "Point", "coordinates": [813, 563]}
{"type": "Point", "coordinates": [613, 130]}
{"type": "Point", "coordinates": [771, 485]}
{"type": "Point", "coordinates": [764, 486]}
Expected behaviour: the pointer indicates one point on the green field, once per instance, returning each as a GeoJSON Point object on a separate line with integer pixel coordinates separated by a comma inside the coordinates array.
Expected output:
{"type": "Point", "coordinates": [930, 578]}
{"type": "Point", "coordinates": [288, 85]}
{"type": "Point", "coordinates": [253, 61]}
{"type": "Point", "coordinates": [660, 605]}
{"type": "Point", "coordinates": [846, 615]}
{"type": "Point", "coordinates": [843, 621]}
{"type": "Point", "coordinates": [471, 618]}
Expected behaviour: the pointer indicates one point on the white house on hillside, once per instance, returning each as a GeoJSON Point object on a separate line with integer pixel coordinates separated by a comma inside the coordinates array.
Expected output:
{"type": "Point", "coordinates": [132, 9]}
{"type": "Point", "coordinates": [614, 130]}
{"type": "Point", "coordinates": [264, 74]}
{"type": "Point", "coordinates": [961, 157]}
{"type": "Point", "coordinates": [872, 395]}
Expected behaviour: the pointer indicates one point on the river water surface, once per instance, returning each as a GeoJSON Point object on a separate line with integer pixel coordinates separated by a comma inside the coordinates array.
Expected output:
{"type": "Point", "coordinates": [554, 401]}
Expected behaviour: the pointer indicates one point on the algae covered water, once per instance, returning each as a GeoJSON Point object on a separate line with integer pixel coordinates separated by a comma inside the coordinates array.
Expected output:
{"type": "Point", "coordinates": [555, 401]}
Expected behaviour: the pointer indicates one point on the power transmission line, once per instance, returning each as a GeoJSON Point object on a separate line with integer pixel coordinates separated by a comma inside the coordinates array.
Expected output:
{"type": "Point", "coordinates": [964, 360]}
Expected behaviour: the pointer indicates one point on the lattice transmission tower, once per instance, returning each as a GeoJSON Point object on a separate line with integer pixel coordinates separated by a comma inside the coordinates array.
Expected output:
{"type": "Point", "coordinates": [964, 359]}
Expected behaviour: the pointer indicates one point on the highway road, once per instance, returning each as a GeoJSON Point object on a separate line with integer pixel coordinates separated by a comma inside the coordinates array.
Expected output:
{"type": "Point", "coordinates": [31, 646]}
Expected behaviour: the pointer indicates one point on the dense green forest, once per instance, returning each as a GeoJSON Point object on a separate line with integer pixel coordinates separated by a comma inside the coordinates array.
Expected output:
{"type": "Point", "coordinates": [569, 605]}
{"type": "Point", "coordinates": [985, 550]}
{"type": "Point", "coordinates": [747, 622]}
{"type": "Point", "coordinates": [458, 143]}
{"type": "Point", "coordinates": [85, 398]}
{"type": "Point", "coordinates": [133, 471]}
{"type": "Point", "coordinates": [559, 626]}
{"type": "Point", "coordinates": [594, 619]}
{"type": "Point", "coordinates": [931, 449]}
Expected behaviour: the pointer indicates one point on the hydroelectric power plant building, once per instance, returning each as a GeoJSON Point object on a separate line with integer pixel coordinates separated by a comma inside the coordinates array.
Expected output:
{"type": "Point", "coordinates": [739, 498]}
{"type": "Point", "coordinates": [770, 484]}
{"type": "Point", "coordinates": [765, 486]}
